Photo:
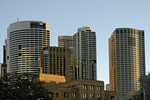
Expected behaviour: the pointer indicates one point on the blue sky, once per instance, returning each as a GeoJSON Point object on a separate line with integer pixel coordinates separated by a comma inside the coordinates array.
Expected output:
{"type": "Point", "coordinates": [66, 16]}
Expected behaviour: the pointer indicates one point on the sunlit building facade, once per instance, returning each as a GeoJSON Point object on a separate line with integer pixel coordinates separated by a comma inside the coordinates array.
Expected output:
{"type": "Point", "coordinates": [67, 41]}
{"type": "Point", "coordinates": [56, 61]}
{"type": "Point", "coordinates": [84, 54]}
{"type": "Point", "coordinates": [126, 60]}
{"type": "Point", "coordinates": [25, 40]}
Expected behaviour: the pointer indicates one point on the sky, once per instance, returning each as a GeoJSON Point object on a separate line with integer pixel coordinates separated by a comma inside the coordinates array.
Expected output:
{"type": "Point", "coordinates": [66, 16]}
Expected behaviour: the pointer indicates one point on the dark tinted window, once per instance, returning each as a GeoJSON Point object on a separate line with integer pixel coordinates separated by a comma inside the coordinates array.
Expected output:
{"type": "Point", "coordinates": [121, 31]}
{"type": "Point", "coordinates": [37, 25]}
{"type": "Point", "coordinates": [117, 31]}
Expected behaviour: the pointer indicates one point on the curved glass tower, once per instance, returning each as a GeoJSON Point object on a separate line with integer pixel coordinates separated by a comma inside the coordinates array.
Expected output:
{"type": "Point", "coordinates": [25, 41]}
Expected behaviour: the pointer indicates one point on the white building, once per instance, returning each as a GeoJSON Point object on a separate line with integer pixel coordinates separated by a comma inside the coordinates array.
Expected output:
{"type": "Point", "coordinates": [25, 40]}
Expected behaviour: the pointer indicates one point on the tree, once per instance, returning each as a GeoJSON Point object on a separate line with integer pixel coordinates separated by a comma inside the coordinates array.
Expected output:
{"type": "Point", "coordinates": [24, 86]}
{"type": "Point", "coordinates": [145, 85]}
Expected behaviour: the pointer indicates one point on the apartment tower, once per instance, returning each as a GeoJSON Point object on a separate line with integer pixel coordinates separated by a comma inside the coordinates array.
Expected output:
{"type": "Point", "coordinates": [84, 54]}
{"type": "Point", "coordinates": [56, 61]}
{"type": "Point", "coordinates": [25, 40]}
{"type": "Point", "coordinates": [126, 60]}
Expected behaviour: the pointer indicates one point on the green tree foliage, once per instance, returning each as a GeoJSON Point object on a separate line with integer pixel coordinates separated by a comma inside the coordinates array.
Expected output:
{"type": "Point", "coordinates": [145, 84]}
{"type": "Point", "coordinates": [22, 87]}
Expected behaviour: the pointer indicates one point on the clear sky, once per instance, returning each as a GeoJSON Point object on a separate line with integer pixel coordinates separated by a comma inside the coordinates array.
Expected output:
{"type": "Point", "coordinates": [66, 16]}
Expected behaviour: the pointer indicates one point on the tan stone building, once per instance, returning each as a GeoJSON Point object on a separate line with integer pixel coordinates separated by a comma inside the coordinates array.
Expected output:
{"type": "Point", "coordinates": [56, 61]}
{"type": "Point", "coordinates": [80, 90]}
{"type": "Point", "coordinates": [3, 69]}
{"type": "Point", "coordinates": [49, 78]}
{"type": "Point", "coordinates": [126, 60]}
{"type": "Point", "coordinates": [67, 41]}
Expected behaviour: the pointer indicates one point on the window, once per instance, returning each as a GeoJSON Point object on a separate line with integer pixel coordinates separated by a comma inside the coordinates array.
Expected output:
{"type": "Point", "coordinates": [121, 31]}
{"type": "Point", "coordinates": [117, 31]}
{"type": "Point", "coordinates": [84, 95]}
{"type": "Point", "coordinates": [98, 97]}
{"type": "Point", "coordinates": [57, 95]}
{"type": "Point", "coordinates": [92, 96]}
{"type": "Point", "coordinates": [84, 86]}
{"type": "Point", "coordinates": [106, 97]}
{"type": "Point", "coordinates": [73, 86]}
{"type": "Point", "coordinates": [73, 95]}
{"type": "Point", "coordinates": [66, 95]}
{"type": "Point", "coordinates": [98, 88]}
{"type": "Point", "coordinates": [91, 87]}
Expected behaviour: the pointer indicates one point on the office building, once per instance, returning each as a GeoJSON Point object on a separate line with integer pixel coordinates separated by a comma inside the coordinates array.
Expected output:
{"type": "Point", "coordinates": [56, 61]}
{"type": "Point", "coordinates": [84, 54]}
{"type": "Point", "coordinates": [126, 60]}
{"type": "Point", "coordinates": [80, 90]}
{"type": "Point", "coordinates": [25, 40]}
{"type": "Point", "coordinates": [67, 41]}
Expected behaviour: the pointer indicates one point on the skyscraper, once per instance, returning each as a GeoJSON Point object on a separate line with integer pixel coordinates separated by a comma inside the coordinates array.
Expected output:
{"type": "Point", "coordinates": [126, 60]}
{"type": "Point", "coordinates": [56, 60]}
{"type": "Point", "coordinates": [84, 54]}
{"type": "Point", "coordinates": [67, 41]}
{"type": "Point", "coordinates": [25, 40]}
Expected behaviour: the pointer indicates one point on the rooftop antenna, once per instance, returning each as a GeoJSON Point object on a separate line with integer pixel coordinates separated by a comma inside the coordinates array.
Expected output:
{"type": "Point", "coordinates": [17, 19]}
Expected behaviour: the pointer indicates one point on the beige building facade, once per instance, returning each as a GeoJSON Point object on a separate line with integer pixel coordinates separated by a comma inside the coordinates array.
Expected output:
{"type": "Point", "coordinates": [56, 61]}
{"type": "Point", "coordinates": [126, 60]}
{"type": "Point", "coordinates": [67, 41]}
{"type": "Point", "coordinates": [49, 78]}
{"type": "Point", "coordinates": [80, 90]}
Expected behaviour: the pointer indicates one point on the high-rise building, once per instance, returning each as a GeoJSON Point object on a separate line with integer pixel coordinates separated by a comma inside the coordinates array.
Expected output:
{"type": "Point", "coordinates": [56, 60]}
{"type": "Point", "coordinates": [67, 41]}
{"type": "Point", "coordinates": [84, 54]}
{"type": "Point", "coordinates": [126, 60]}
{"type": "Point", "coordinates": [25, 40]}
{"type": "Point", "coordinates": [5, 52]}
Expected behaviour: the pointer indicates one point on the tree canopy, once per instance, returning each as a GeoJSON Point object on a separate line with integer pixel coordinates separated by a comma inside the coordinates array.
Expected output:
{"type": "Point", "coordinates": [145, 84]}
{"type": "Point", "coordinates": [22, 87]}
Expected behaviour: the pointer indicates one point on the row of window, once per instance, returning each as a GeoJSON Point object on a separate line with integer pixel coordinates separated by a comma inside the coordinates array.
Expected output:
{"type": "Point", "coordinates": [91, 87]}
{"type": "Point", "coordinates": [84, 95]}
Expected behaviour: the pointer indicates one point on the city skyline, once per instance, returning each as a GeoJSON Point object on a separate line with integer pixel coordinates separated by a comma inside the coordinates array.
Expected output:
{"type": "Point", "coordinates": [66, 17]}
